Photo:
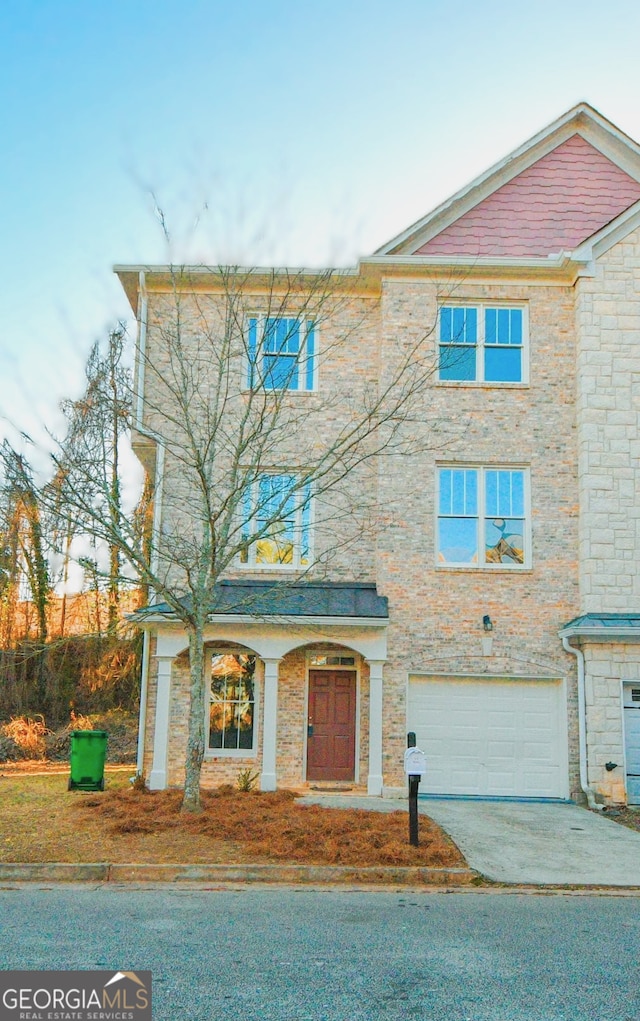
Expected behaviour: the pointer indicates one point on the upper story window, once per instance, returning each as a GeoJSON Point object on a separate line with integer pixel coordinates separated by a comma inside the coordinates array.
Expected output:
{"type": "Point", "coordinates": [282, 353]}
{"type": "Point", "coordinates": [482, 343]}
{"type": "Point", "coordinates": [482, 517]}
{"type": "Point", "coordinates": [277, 513]}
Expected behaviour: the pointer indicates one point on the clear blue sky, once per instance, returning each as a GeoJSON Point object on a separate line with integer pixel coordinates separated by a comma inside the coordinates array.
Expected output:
{"type": "Point", "coordinates": [312, 131]}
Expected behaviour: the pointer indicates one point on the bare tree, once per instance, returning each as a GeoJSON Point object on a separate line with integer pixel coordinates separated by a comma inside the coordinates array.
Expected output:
{"type": "Point", "coordinates": [24, 568]}
{"type": "Point", "coordinates": [96, 426]}
{"type": "Point", "coordinates": [23, 541]}
{"type": "Point", "coordinates": [235, 454]}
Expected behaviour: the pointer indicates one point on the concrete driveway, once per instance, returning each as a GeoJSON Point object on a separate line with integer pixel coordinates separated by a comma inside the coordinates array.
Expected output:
{"type": "Point", "coordinates": [526, 842]}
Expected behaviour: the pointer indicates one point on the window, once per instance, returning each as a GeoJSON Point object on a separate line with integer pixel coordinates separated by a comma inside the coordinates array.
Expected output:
{"type": "Point", "coordinates": [481, 517]}
{"type": "Point", "coordinates": [277, 516]}
{"type": "Point", "coordinates": [232, 703]}
{"type": "Point", "coordinates": [482, 344]}
{"type": "Point", "coordinates": [319, 660]}
{"type": "Point", "coordinates": [281, 353]}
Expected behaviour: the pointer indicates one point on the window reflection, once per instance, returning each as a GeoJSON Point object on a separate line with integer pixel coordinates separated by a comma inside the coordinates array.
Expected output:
{"type": "Point", "coordinates": [232, 701]}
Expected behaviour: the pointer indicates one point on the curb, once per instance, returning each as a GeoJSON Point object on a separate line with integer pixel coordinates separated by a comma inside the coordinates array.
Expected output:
{"type": "Point", "coordinates": [57, 872]}
{"type": "Point", "coordinates": [104, 872]}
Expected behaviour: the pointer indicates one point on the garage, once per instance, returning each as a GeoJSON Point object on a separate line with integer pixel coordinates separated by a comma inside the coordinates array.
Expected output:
{"type": "Point", "coordinates": [499, 737]}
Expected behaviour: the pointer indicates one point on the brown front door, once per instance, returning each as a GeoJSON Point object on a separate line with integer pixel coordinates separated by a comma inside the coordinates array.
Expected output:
{"type": "Point", "coordinates": [331, 744]}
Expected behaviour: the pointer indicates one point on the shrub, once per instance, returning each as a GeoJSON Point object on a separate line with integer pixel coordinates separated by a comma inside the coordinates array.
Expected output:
{"type": "Point", "coordinates": [28, 734]}
{"type": "Point", "coordinates": [9, 750]}
{"type": "Point", "coordinates": [120, 725]}
{"type": "Point", "coordinates": [246, 780]}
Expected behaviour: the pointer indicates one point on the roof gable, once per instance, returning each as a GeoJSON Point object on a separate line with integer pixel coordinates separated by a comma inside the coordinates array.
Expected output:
{"type": "Point", "coordinates": [548, 196]}
{"type": "Point", "coordinates": [557, 203]}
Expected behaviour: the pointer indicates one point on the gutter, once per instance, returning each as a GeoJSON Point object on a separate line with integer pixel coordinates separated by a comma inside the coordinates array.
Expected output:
{"type": "Point", "coordinates": [582, 723]}
{"type": "Point", "coordinates": [142, 620]}
{"type": "Point", "coordinates": [142, 347]}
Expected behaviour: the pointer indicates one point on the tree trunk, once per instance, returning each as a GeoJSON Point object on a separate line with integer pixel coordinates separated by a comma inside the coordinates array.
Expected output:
{"type": "Point", "coordinates": [195, 741]}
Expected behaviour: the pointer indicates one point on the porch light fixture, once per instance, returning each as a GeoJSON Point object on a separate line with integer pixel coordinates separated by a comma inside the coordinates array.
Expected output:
{"type": "Point", "coordinates": [487, 623]}
{"type": "Point", "coordinates": [609, 766]}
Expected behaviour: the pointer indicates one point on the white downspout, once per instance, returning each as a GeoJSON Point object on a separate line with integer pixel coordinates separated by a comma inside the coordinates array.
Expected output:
{"type": "Point", "coordinates": [582, 723]}
{"type": "Point", "coordinates": [139, 412]}
{"type": "Point", "coordinates": [143, 304]}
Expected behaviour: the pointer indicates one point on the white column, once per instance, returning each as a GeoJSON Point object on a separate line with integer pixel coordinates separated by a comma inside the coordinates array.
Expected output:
{"type": "Point", "coordinates": [374, 780]}
{"type": "Point", "coordinates": [268, 780]}
{"type": "Point", "coordinates": [158, 776]}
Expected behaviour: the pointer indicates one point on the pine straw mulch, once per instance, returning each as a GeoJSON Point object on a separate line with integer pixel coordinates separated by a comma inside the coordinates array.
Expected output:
{"type": "Point", "coordinates": [272, 827]}
{"type": "Point", "coordinates": [124, 825]}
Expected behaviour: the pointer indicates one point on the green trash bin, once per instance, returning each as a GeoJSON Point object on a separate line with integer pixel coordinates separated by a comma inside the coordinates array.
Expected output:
{"type": "Point", "coordinates": [88, 751]}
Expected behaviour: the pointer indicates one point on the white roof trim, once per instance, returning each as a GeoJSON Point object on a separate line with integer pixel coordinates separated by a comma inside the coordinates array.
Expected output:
{"type": "Point", "coordinates": [153, 619]}
{"type": "Point", "coordinates": [609, 235]}
{"type": "Point", "coordinates": [183, 269]}
{"type": "Point", "coordinates": [603, 634]}
{"type": "Point", "coordinates": [581, 119]}
{"type": "Point", "coordinates": [555, 261]}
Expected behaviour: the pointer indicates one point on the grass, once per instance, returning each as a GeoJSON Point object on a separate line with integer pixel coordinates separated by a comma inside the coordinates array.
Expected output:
{"type": "Point", "coordinates": [123, 825]}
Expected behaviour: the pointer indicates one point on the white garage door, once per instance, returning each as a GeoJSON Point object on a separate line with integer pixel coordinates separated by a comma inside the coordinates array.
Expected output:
{"type": "Point", "coordinates": [505, 738]}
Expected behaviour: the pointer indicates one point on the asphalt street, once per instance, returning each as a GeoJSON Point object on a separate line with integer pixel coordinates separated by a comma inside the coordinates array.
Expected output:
{"type": "Point", "coordinates": [301, 955]}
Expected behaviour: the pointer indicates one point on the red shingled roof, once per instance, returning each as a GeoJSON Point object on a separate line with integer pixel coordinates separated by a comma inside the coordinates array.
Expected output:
{"type": "Point", "coordinates": [557, 203]}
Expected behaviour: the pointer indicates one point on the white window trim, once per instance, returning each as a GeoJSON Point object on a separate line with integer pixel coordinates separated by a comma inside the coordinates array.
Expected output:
{"type": "Point", "coordinates": [296, 564]}
{"type": "Point", "coordinates": [480, 517]}
{"type": "Point", "coordinates": [261, 318]}
{"type": "Point", "coordinates": [234, 753]}
{"type": "Point", "coordinates": [481, 307]}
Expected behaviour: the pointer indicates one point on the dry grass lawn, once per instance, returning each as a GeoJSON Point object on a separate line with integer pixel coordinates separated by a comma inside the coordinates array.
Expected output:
{"type": "Point", "coordinates": [40, 821]}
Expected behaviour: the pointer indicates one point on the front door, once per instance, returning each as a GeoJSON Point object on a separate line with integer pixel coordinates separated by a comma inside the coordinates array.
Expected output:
{"type": "Point", "coordinates": [331, 741]}
{"type": "Point", "coordinates": [632, 740]}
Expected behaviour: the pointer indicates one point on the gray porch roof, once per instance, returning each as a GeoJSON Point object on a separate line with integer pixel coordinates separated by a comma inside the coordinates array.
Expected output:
{"type": "Point", "coordinates": [288, 599]}
{"type": "Point", "coordinates": [606, 626]}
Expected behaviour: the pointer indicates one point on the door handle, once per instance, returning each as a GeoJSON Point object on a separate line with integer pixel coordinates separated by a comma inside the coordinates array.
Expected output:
{"type": "Point", "coordinates": [309, 729]}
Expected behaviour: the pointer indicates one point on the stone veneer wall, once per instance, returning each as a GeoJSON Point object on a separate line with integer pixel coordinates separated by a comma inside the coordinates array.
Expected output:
{"type": "Point", "coordinates": [608, 331]}
{"type": "Point", "coordinates": [608, 408]}
{"type": "Point", "coordinates": [606, 667]}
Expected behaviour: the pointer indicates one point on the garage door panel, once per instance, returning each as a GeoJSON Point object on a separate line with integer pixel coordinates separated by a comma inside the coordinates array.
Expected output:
{"type": "Point", "coordinates": [537, 752]}
{"type": "Point", "coordinates": [504, 738]}
{"type": "Point", "coordinates": [502, 750]}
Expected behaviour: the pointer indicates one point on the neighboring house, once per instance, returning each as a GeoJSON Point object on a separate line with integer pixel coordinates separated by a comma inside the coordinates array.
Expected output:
{"type": "Point", "coordinates": [497, 612]}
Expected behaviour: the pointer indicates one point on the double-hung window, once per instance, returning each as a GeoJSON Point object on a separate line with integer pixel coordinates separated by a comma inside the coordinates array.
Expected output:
{"type": "Point", "coordinates": [482, 343]}
{"type": "Point", "coordinates": [482, 517]}
{"type": "Point", "coordinates": [277, 522]}
{"type": "Point", "coordinates": [281, 353]}
{"type": "Point", "coordinates": [232, 704]}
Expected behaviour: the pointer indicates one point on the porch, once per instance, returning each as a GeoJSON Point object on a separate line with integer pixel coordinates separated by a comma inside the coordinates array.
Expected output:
{"type": "Point", "coordinates": [295, 697]}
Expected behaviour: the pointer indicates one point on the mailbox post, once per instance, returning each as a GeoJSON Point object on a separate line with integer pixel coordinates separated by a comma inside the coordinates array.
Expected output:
{"type": "Point", "coordinates": [415, 766]}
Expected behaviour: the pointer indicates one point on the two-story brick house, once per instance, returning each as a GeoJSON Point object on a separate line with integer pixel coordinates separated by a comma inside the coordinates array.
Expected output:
{"type": "Point", "coordinates": [495, 610]}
